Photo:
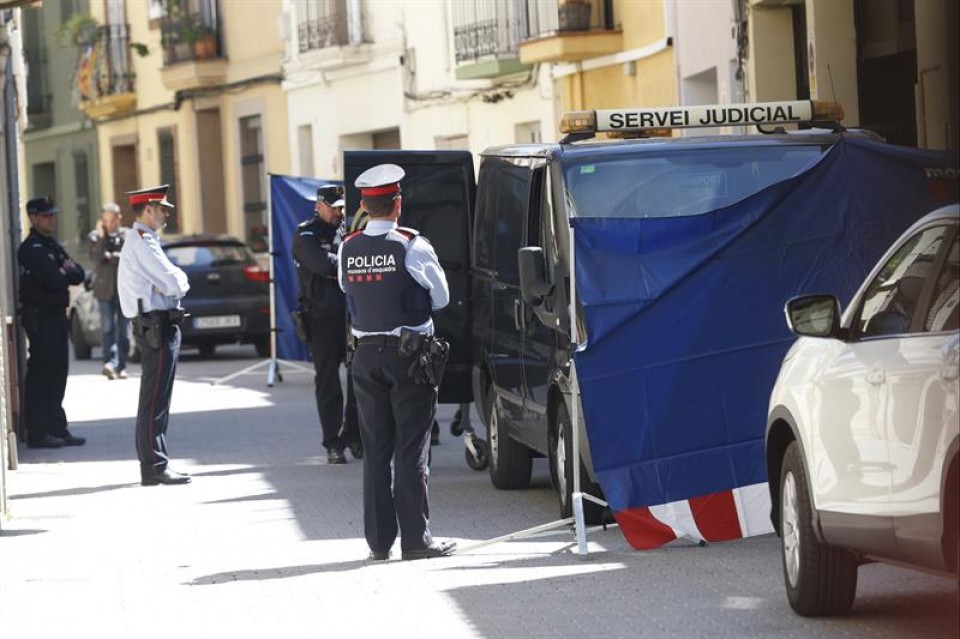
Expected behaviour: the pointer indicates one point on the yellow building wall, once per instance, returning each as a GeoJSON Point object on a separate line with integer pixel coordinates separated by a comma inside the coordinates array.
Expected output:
{"type": "Point", "coordinates": [653, 82]}
{"type": "Point", "coordinates": [254, 49]}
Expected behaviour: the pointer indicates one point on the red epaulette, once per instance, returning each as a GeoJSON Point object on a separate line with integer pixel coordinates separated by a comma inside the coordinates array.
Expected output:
{"type": "Point", "coordinates": [141, 232]}
{"type": "Point", "coordinates": [407, 233]}
{"type": "Point", "coordinates": [353, 234]}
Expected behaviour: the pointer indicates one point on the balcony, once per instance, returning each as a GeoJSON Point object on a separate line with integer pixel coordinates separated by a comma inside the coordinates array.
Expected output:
{"type": "Point", "coordinates": [486, 38]}
{"type": "Point", "coordinates": [321, 32]}
{"type": "Point", "coordinates": [570, 31]}
{"type": "Point", "coordinates": [104, 78]}
{"type": "Point", "coordinates": [192, 49]}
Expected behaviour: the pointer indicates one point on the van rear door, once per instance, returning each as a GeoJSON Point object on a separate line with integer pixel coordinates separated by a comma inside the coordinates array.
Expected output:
{"type": "Point", "coordinates": [438, 197]}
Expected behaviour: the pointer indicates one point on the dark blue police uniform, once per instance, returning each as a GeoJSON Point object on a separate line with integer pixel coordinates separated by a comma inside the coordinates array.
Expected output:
{"type": "Point", "coordinates": [393, 282]}
{"type": "Point", "coordinates": [46, 272]}
{"type": "Point", "coordinates": [323, 309]}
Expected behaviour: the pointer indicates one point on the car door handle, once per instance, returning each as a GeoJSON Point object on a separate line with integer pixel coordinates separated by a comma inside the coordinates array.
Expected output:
{"type": "Point", "coordinates": [876, 377]}
{"type": "Point", "coordinates": [516, 313]}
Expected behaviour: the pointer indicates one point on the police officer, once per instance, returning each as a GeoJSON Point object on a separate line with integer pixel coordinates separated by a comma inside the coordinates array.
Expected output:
{"type": "Point", "coordinates": [150, 289]}
{"type": "Point", "coordinates": [324, 310]}
{"type": "Point", "coordinates": [393, 281]}
{"type": "Point", "coordinates": [46, 272]}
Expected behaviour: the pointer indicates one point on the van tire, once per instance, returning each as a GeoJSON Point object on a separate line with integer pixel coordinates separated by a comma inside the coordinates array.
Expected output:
{"type": "Point", "coordinates": [510, 462]}
{"type": "Point", "coordinates": [824, 578]}
{"type": "Point", "coordinates": [561, 438]}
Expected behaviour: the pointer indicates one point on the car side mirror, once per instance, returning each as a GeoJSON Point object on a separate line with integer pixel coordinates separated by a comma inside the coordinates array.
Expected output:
{"type": "Point", "coordinates": [533, 280]}
{"type": "Point", "coordinates": [814, 315]}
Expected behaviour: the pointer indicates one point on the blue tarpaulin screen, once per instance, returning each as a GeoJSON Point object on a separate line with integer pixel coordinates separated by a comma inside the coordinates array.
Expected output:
{"type": "Point", "coordinates": [291, 202]}
{"type": "Point", "coordinates": [684, 315]}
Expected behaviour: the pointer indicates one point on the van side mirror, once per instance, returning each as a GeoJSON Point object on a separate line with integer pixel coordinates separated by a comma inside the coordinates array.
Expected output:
{"type": "Point", "coordinates": [814, 316]}
{"type": "Point", "coordinates": [533, 280]}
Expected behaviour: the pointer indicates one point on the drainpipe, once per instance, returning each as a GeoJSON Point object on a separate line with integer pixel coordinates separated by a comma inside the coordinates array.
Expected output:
{"type": "Point", "coordinates": [354, 22]}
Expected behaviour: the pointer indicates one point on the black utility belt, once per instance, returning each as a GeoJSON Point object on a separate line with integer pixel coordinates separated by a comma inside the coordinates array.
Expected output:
{"type": "Point", "coordinates": [173, 316]}
{"type": "Point", "coordinates": [379, 340]}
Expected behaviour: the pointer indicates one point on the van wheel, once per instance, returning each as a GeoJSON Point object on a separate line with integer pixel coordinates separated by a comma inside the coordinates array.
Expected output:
{"type": "Point", "coordinates": [561, 457]}
{"type": "Point", "coordinates": [81, 350]}
{"type": "Point", "coordinates": [820, 579]}
{"type": "Point", "coordinates": [510, 462]}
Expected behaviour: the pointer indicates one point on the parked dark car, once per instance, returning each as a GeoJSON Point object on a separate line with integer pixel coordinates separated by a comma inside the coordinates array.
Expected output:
{"type": "Point", "coordinates": [228, 302]}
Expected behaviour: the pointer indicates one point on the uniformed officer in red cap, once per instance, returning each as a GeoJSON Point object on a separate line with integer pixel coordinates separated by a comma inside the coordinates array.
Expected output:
{"type": "Point", "coordinates": [393, 282]}
{"type": "Point", "coordinates": [150, 289]}
{"type": "Point", "coordinates": [324, 314]}
{"type": "Point", "coordinates": [46, 272]}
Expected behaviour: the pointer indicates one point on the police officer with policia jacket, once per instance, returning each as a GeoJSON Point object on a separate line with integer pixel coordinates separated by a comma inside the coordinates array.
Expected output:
{"type": "Point", "coordinates": [393, 282]}
{"type": "Point", "coordinates": [46, 272]}
{"type": "Point", "coordinates": [150, 289]}
{"type": "Point", "coordinates": [323, 312]}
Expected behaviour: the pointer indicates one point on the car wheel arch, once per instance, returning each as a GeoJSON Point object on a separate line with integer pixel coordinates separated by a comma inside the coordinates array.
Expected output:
{"type": "Point", "coordinates": [781, 432]}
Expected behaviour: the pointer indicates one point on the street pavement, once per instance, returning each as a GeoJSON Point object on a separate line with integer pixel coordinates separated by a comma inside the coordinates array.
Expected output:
{"type": "Point", "coordinates": [267, 541]}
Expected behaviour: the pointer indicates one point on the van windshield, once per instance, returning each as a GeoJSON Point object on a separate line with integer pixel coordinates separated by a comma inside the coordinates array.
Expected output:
{"type": "Point", "coordinates": [679, 182]}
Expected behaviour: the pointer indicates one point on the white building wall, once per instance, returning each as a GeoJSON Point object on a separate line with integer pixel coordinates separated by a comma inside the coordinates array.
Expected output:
{"type": "Point", "coordinates": [402, 78]}
{"type": "Point", "coordinates": [706, 49]}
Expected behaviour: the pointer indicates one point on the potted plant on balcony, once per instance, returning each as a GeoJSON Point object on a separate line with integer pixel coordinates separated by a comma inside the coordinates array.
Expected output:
{"type": "Point", "coordinates": [205, 46]}
{"type": "Point", "coordinates": [574, 15]}
{"type": "Point", "coordinates": [80, 30]}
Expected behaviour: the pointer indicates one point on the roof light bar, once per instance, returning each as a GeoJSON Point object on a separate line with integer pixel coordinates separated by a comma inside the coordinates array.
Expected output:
{"type": "Point", "coordinates": [617, 120]}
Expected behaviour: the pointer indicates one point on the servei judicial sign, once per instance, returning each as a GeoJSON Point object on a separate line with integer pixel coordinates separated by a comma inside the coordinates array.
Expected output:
{"type": "Point", "coordinates": [711, 115]}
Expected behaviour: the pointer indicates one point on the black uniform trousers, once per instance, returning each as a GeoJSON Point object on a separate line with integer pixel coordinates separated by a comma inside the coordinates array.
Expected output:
{"type": "Point", "coordinates": [395, 418]}
{"type": "Point", "coordinates": [159, 367]}
{"type": "Point", "coordinates": [47, 367]}
{"type": "Point", "coordinates": [328, 349]}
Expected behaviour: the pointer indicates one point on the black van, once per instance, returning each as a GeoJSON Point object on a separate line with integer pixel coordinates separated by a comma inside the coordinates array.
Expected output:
{"type": "Point", "coordinates": [507, 253]}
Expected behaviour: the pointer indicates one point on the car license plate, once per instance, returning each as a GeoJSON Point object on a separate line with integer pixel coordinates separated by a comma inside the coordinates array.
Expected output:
{"type": "Point", "coordinates": [217, 321]}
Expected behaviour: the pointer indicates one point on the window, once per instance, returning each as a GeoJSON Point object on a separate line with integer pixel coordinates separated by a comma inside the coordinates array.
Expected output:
{"type": "Point", "coordinates": [209, 255]}
{"type": "Point", "coordinates": [512, 203]}
{"type": "Point", "coordinates": [253, 182]}
{"type": "Point", "coordinates": [81, 172]}
{"type": "Point", "coordinates": [305, 144]}
{"type": "Point", "coordinates": [167, 151]}
{"type": "Point", "coordinates": [641, 184]}
{"type": "Point", "coordinates": [486, 216]}
{"type": "Point", "coordinates": [893, 298]}
{"type": "Point", "coordinates": [944, 313]}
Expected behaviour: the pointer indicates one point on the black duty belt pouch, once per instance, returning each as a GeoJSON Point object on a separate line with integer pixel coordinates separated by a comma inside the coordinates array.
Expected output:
{"type": "Point", "coordinates": [430, 355]}
{"type": "Point", "coordinates": [149, 330]}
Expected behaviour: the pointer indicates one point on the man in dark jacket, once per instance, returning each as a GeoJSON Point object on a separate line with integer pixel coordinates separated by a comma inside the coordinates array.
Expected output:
{"type": "Point", "coordinates": [105, 244]}
{"type": "Point", "coordinates": [46, 272]}
{"type": "Point", "coordinates": [323, 309]}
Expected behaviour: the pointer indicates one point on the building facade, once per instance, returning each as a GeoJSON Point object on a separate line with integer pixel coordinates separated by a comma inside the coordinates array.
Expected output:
{"type": "Point", "coordinates": [202, 110]}
{"type": "Point", "coordinates": [361, 74]}
{"type": "Point", "coordinates": [59, 143]}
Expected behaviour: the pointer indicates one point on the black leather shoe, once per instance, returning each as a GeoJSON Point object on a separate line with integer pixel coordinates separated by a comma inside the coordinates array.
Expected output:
{"type": "Point", "coordinates": [45, 441]}
{"type": "Point", "coordinates": [377, 555]}
{"type": "Point", "coordinates": [71, 440]}
{"type": "Point", "coordinates": [356, 449]}
{"type": "Point", "coordinates": [165, 477]}
{"type": "Point", "coordinates": [436, 549]}
{"type": "Point", "coordinates": [336, 456]}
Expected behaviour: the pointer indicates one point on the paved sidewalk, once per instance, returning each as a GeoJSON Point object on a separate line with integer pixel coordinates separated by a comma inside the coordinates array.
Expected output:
{"type": "Point", "coordinates": [267, 541]}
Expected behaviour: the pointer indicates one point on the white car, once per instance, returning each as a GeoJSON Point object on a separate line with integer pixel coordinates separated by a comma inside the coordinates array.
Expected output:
{"type": "Point", "coordinates": [862, 434]}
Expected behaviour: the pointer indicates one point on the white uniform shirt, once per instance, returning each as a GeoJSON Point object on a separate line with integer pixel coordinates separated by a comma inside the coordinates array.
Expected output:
{"type": "Point", "coordinates": [145, 273]}
{"type": "Point", "coordinates": [422, 264]}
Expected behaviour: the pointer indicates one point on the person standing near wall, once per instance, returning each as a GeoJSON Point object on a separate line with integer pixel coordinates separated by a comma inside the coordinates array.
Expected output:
{"type": "Point", "coordinates": [46, 273]}
{"type": "Point", "coordinates": [105, 244]}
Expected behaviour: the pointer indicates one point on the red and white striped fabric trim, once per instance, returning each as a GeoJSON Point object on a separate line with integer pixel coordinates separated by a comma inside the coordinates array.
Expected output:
{"type": "Point", "coordinates": [722, 516]}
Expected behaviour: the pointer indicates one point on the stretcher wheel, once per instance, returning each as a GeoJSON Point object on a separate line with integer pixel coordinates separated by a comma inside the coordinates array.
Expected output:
{"type": "Point", "coordinates": [480, 460]}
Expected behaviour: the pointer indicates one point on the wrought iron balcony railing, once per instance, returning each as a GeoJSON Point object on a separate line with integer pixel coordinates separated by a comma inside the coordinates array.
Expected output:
{"type": "Point", "coordinates": [550, 16]}
{"type": "Point", "coordinates": [103, 64]}
{"type": "Point", "coordinates": [322, 32]}
{"type": "Point", "coordinates": [490, 30]}
{"type": "Point", "coordinates": [188, 37]}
